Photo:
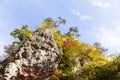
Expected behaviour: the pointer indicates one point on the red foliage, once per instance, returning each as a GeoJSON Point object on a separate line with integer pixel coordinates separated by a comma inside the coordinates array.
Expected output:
{"type": "Point", "coordinates": [70, 43]}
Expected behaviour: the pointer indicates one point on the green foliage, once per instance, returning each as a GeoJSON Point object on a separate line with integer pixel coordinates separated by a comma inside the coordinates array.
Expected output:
{"type": "Point", "coordinates": [73, 31]}
{"type": "Point", "coordinates": [60, 21]}
{"type": "Point", "coordinates": [12, 49]}
{"type": "Point", "coordinates": [22, 34]}
{"type": "Point", "coordinates": [68, 76]}
{"type": "Point", "coordinates": [54, 77]}
{"type": "Point", "coordinates": [98, 46]}
{"type": "Point", "coordinates": [58, 37]}
{"type": "Point", "coordinates": [90, 64]}
{"type": "Point", "coordinates": [88, 57]}
{"type": "Point", "coordinates": [107, 71]}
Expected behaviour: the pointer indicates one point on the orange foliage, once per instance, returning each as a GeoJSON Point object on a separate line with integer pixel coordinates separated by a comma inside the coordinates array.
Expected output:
{"type": "Point", "coordinates": [70, 43]}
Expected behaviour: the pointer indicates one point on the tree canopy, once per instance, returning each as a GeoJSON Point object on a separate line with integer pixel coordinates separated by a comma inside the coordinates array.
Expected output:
{"type": "Point", "coordinates": [78, 60]}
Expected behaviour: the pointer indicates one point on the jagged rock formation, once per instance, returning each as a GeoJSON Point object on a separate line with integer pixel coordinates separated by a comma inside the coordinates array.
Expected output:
{"type": "Point", "coordinates": [35, 59]}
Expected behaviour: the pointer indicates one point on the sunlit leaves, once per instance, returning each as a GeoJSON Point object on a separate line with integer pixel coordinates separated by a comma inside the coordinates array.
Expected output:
{"type": "Point", "coordinates": [22, 34]}
{"type": "Point", "coordinates": [86, 57]}
{"type": "Point", "coordinates": [59, 38]}
{"type": "Point", "coordinates": [70, 42]}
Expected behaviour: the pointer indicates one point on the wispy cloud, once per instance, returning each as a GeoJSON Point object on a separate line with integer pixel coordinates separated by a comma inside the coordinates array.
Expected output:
{"type": "Point", "coordinates": [85, 17]}
{"type": "Point", "coordinates": [79, 15]}
{"type": "Point", "coordinates": [100, 3]}
{"type": "Point", "coordinates": [109, 37]}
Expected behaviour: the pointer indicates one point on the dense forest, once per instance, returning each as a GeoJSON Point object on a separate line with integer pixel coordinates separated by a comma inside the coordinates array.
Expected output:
{"type": "Point", "coordinates": [77, 60]}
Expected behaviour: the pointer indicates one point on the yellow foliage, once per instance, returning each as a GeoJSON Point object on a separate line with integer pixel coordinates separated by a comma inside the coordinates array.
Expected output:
{"type": "Point", "coordinates": [58, 37]}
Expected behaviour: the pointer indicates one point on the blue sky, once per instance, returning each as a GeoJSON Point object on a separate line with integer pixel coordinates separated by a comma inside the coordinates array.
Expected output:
{"type": "Point", "coordinates": [98, 20]}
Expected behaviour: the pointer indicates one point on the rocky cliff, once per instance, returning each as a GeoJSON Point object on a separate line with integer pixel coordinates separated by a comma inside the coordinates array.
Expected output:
{"type": "Point", "coordinates": [35, 59]}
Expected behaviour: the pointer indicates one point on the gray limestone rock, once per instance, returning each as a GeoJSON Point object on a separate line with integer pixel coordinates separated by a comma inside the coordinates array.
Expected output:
{"type": "Point", "coordinates": [41, 50]}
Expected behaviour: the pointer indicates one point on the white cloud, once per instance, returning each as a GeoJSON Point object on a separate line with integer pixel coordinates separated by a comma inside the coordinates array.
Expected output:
{"type": "Point", "coordinates": [109, 37]}
{"type": "Point", "coordinates": [79, 15]}
{"type": "Point", "coordinates": [100, 3]}
{"type": "Point", "coordinates": [85, 17]}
